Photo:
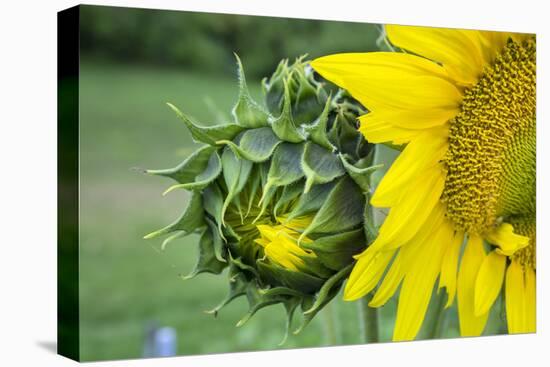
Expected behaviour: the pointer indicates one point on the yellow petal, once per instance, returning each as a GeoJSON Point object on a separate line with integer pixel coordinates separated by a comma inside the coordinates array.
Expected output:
{"type": "Point", "coordinates": [516, 299]}
{"type": "Point", "coordinates": [418, 284]}
{"type": "Point", "coordinates": [282, 257]}
{"type": "Point", "coordinates": [376, 257]}
{"type": "Point", "coordinates": [394, 81]}
{"type": "Point", "coordinates": [508, 242]}
{"type": "Point", "coordinates": [295, 224]}
{"type": "Point", "coordinates": [458, 50]}
{"type": "Point", "coordinates": [489, 282]}
{"type": "Point", "coordinates": [366, 273]}
{"type": "Point", "coordinates": [377, 128]}
{"type": "Point", "coordinates": [424, 151]}
{"type": "Point", "coordinates": [470, 324]}
{"type": "Point", "coordinates": [407, 121]}
{"type": "Point", "coordinates": [267, 232]}
{"type": "Point", "coordinates": [449, 267]}
{"type": "Point", "coordinates": [262, 241]}
{"type": "Point", "coordinates": [415, 206]}
{"type": "Point", "coordinates": [530, 300]}
{"type": "Point", "coordinates": [391, 281]}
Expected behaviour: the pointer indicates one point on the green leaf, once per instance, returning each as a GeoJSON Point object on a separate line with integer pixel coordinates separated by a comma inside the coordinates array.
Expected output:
{"type": "Point", "coordinates": [336, 251]}
{"type": "Point", "coordinates": [191, 219]}
{"type": "Point", "coordinates": [207, 261]}
{"type": "Point", "coordinates": [219, 248]}
{"type": "Point", "coordinates": [361, 176]}
{"type": "Point", "coordinates": [346, 136]}
{"type": "Point", "coordinates": [171, 238]}
{"type": "Point", "coordinates": [320, 165]}
{"type": "Point", "coordinates": [237, 287]}
{"type": "Point", "coordinates": [208, 134]}
{"type": "Point", "coordinates": [308, 98]}
{"type": "Point", "coordinates": [327, 292]}
{"type": "Point", "coordinates": [369, 227]}
{"type": "Point", "coordinates": [285, 165]}
{"type": "Point", "coordinates": [342, 210]}
{"type": "Point", "coordinates": [268, 194]}
{"type": "Point", "coordinates": [252, 188]}
{"type": "Point", "coordinates": [257, 301]}
{"type": "Point", "coordinates": [213, 204]}
{"type": "Point", "coordinates": [283, 126]}
{"type": "Point", "coordinates": [192, 166]}
{"type": "Point", "coordinates": [302, 282]}
{"type": "Point", "coordinates": [239, 263]}
{"type": "Point", "coordinates": [273, 89]}
{"type": "Point", "coordinates": [210, 173]}
{"type": "Point", "coordinates": [256, 145]}
{"type": "Point", "coordinates": [263, 171]}
{"type": "Point", "coordinates": [312, 201]}
{"type": "Point", "coordinates": [289, 194]}
{"type": "Point", "coordinates": [235, 173]}
{"type": "Point", "coordinates": [247, 112]}
{"type": "Point", "coordinates": [290, 307]}
{"type": "Point", "coordinates": [318, 130]}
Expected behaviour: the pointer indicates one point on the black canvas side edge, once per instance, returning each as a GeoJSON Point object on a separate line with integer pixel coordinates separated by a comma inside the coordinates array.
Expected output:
{"type": "Point", "coordinates": [68, 330]}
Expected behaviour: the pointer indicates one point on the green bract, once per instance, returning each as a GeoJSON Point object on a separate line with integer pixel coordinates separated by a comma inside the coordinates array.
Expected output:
{"type": "Point", "coordinates": [279, 194]}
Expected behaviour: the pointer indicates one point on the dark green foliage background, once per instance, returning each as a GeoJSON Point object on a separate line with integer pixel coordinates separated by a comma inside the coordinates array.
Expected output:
{"type": "Point", "coordinates": [206, 42]}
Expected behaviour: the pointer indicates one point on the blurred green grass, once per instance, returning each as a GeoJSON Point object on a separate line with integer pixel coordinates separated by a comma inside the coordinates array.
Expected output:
{"type": "Point", "coordinates": [127, 282]}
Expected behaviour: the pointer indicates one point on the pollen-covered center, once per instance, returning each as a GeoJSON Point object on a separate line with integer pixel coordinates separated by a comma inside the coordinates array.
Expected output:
{"type": "Point", "coordinates": [491, 157]}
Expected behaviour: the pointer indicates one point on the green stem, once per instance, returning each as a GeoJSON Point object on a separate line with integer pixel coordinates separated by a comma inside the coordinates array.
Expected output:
{"type": "Point", "coordinates": [368, 320]}
{"type": "Point", "coordinates": [438, 315]}
{"type": "Point", "coordinates": [330, 325]}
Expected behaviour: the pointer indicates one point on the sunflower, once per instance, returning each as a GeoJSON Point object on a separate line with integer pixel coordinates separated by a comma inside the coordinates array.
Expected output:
{"type": "Point", "coordinates": [277, 194]}
{"type": "Point", "coordinates": [461, 194]}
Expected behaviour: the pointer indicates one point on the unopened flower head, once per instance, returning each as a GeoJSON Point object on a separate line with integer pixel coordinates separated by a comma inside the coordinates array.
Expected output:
{"type": "Point", "coordinates": [278, 194]}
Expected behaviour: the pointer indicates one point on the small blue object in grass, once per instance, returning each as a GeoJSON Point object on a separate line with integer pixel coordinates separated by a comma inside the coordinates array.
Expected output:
{"type": "Point", "coordinates": [160, 342]}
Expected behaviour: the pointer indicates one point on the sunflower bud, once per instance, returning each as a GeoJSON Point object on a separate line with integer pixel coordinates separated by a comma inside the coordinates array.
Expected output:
{"type": "Point", "coordinates": [279, 195]}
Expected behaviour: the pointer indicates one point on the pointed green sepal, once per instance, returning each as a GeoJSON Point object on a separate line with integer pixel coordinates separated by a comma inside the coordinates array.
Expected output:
{"type": "Point", "coordinates": [203, 179]}
{"type": "Point", "coordinates": [326, 293]}
{"type": "Point", "coordinates": [257, 301]}
{"type": "Point", "coordinates": [369, 227]}
{"type": "Point", "coordinates": [207, 134]}
{"type": "Point", "coordinates": [237, 287]}
{"type": "Point", "coordinates": [290, 307]}
{"type": "Point", "coordinates": [191, 219]}
{"type": "Point", "coordinates": [213, 204]}
{"type": "Point", "coordinates": [311, 201]}
{"type": "Point", "coordinates": [361, 176]}
{"type": "Point", "coordinates": [207, 261]}
{"type": "Point", "coordinates": [220, 251]}
{"type": "Point", "coordinates": [303, 282]}
{"type": "Point", "coordinates": [290, 194]}
{"type": "Point", "coordinates": [255, 145]}
{"type": "Point", "coordinates": [187, 170]}
{"type": "Point", "coordinates": [283, 126]}
{"type": "Point", "coordinates": [318, 130]}
{"type": "Point", "coordinates": [320, 165]}
{"type": "Point", "coordinates": [246, 112]}
{"type": "Point", "coordinates": [342, 210]}
{"type": "Point", "coordinates": [285, 165]}
{"type": "Point", "coordinates": [336, 251]}
{"type": "Point", "coordinates": [235, 174]}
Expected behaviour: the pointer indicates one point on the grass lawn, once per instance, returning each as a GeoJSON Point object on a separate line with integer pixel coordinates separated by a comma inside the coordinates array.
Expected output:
{"type": "Point", "coordinates": [126, 282]}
